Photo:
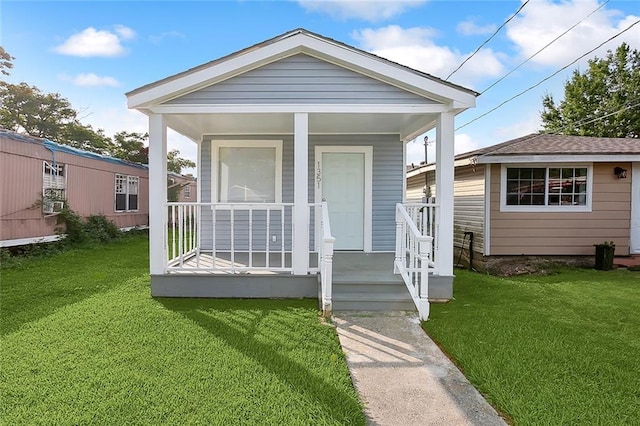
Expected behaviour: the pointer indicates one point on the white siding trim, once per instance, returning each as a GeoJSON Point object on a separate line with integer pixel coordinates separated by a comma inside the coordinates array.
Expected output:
{"type": "Point", "coordinates": [445, 134]}
{"type": "Point", "coordinates": [487, 210]}
{"type": "Point", "coordinates": [157, 203]}
{"type": "Point", "coordinates": [404, 171]}
{"type": "Point", "coordinates": [368, 185]}
{"type": "Point", "coordinates": [300, 256]}
{"type": "Point", "coordinates": [306, 108]}
{"type": "Point", "coordinates": [546, 209]}
{"type": "Point", "coordinates": [634, 237]}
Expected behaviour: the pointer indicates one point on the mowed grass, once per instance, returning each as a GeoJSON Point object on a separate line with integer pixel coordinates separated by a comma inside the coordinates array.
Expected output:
{"type": "Point", "coordinates": [554, 350]}
{"type": "Point", "coordinates": [83, 342]}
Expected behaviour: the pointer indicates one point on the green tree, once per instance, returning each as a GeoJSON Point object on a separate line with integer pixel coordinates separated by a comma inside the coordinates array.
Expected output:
{"type": "Point", "coordinates": [130, 146]}
{"type": "Point", "coordinates": [176, 164]}
{"type": "Point", "coordinates": [6, 61]}
{"type": "Point", "coordinates": [604, 100]}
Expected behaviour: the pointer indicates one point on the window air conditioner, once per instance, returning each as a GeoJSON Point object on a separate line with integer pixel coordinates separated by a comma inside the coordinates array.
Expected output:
{"type": "Point", "coordinates": [52, 207]}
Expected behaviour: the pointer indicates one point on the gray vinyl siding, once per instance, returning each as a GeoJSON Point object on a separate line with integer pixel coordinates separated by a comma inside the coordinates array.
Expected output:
{"type": "Point", "coordinates": [301, 79]}
{"type": "Point", "coordinates": [388, 172]}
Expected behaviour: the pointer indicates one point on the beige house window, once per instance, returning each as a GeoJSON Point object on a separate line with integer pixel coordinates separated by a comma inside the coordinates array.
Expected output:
{"type": "Point", "coordinates": [554, 188]}
{"type": "Point", "coordinates": [187, 191]}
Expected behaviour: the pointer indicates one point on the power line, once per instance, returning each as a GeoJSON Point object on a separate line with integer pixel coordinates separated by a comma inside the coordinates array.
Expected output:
{"type": "Point", "coordinates": [488, 40]}
{"type": "Point", "coordinates": [549, 77]}
{"type": "Point", "coordinates": [547, 45]}
{"type": "Point", "coordinates": [593, 120]}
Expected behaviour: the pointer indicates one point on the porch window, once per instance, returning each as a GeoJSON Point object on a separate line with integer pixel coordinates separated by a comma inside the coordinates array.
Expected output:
{"type": "Point", "coordinates": [54, 187]}
{"type": "Point", "coordinates": [248, 171]}
{"type": "Point", "coordinates": [126, 193]}
{"type": "Point", "coordinates": [556, 188]}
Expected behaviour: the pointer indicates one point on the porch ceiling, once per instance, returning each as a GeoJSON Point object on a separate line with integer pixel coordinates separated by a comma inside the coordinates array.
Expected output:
{"type": "Point", "coordinates": [194, 126]}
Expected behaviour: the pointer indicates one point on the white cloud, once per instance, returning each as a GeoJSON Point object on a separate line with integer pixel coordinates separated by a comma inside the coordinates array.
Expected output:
{"type": "Point", "coordinates": [465, 143]}
{"type": "Point", "coordinates": [368, 10]}
{"type": "Point", "coordinates": [530, 124]}
{"type": "Point", "coordinates": [415, 48]}
{"type": "Point", "coordinates": [543, 20]}
{"type": "Point", "coordinates": [125, 33]}
{"type": "Point", "coordinates": [92, 42]}
{"type": "Point", "coordinates": [91, 80]}
{"type": "Point", "coordinates": [471, 28]}
{"type": "Point", "coordinates": [165, 35]}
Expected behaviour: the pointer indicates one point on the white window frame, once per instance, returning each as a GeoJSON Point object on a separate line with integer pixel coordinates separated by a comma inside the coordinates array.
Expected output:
{"type": "Point", "coordinates": [215, 157]}
{"type": "Point", "coordinates": [187, 191]}
{"type": "Point", "coordinates": [128, 179]}
{"type": "Point", "coordinates": [56, 183]}
{"type": "Point", "coordinates": [546, 208]}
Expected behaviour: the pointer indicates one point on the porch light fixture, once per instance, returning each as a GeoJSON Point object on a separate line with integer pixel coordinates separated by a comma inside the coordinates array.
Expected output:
{"type": "Point", "coordinates": [620, 172]}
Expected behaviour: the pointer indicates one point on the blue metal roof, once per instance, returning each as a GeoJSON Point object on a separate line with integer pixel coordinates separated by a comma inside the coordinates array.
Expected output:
{"type": "Point", "coordinates": [56, 147]}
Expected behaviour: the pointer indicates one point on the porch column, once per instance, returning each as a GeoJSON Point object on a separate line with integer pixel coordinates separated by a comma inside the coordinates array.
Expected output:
{"type": "Point", "coordinates": [445, 134]}
{"type": "Point", "coordinates": [157, 194]}
{"type": "Point", "coordinates": [300, 255]}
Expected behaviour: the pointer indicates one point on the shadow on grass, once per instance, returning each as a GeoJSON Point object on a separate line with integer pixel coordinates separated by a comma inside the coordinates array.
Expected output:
{"type": "Point", "coordinates": [338, 404]}
{"type": "Point", "coordinates": [42, 286]}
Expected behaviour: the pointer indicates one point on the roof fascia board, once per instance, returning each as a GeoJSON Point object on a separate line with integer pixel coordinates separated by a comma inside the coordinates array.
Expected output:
{"type": "Point", "coordinates": [551, 158]}
{"type": "Point", "coordinates": [303, 43]}
{"type": "Point", "coordinates": [293, 108]}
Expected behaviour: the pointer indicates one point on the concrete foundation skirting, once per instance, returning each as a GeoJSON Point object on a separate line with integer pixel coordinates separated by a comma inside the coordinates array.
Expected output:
{"type": "Point", "coordinates": [440, 288]}
{"type": "Point", "coordinates": [234, 286]}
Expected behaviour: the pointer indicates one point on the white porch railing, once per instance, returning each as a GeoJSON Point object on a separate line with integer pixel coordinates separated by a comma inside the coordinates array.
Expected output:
{"type": "Point", "coordinates": [425, 217]}
{"type": "Point", "coordinates": [229, 237]}
{"type": "Point", "coordinates": [412, 257]}
{"type": "Point", "coordinates": [326, 259]}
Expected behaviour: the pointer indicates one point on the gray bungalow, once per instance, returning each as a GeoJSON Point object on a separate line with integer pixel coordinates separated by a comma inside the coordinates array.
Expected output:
{"type": "Point", "coordinates": [301, 151]}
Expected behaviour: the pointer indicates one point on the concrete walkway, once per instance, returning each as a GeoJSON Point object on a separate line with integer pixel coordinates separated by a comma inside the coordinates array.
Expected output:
{"type": "Point", "coordinates": [402, 377]}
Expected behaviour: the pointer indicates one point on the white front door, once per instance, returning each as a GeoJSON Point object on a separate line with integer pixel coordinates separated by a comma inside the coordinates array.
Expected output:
{"type": "Point", "coordinates": [345, 186]}
{"type": "Point", "coordinates": [635, 209]}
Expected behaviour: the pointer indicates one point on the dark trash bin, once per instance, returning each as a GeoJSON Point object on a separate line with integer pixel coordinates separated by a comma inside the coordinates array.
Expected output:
{"type": "Point", "coordinates": [604, 256]}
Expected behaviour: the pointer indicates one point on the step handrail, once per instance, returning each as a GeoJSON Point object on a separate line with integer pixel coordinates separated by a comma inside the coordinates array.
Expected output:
{"type": "Point", "coordinates": [327, 241]}
{"type": "Point", "coordinates": [413, 250]}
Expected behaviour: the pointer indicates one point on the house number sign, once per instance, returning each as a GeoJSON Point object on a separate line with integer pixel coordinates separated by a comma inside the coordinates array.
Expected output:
{"type": "Point", "coordinates": [318, 175]}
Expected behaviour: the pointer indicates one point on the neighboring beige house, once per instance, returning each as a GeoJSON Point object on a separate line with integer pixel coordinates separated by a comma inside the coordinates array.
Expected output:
{"type": "Point", "coordinates": [38, 178]}
{"type": "Point", "coordinates": [544, 195]}
{"type": "Point", "coordinates": [188, 186]}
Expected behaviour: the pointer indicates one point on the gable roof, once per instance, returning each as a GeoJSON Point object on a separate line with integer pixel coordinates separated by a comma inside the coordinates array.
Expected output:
{"type": "Point", "coordinates": [290, 43]}
{"type": "Point", "coordinates": [548, 147]}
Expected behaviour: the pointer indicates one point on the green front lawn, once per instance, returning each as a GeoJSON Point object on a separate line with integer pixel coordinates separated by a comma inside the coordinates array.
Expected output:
{"type": "Point", "coordinates": [83, 342]}
{"type": "Point", "coordinates": [561, 349]}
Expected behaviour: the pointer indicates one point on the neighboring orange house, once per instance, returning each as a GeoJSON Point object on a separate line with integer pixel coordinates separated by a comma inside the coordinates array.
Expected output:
{"type": "Point", "coordinates": [39, 177]}
{"type": "Point", "coordinates": [544, 194]}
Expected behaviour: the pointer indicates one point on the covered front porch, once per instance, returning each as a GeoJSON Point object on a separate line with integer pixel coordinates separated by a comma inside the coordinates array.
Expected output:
{"type": "Point", "coordinates": [301, 152]}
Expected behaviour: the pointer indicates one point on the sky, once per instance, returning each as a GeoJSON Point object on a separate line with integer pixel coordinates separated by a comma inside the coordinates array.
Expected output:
{"type": "Point", "coordinates": [93, 52]}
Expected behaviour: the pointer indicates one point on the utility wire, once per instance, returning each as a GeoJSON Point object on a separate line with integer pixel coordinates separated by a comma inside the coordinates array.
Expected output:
{"type": "Point", "coordinates": [488, 40]}
{"type": "Point", "coordinates": [585, 121]}
{"type": "Point", "coordinates": [547, 45]}
{"type": "Point", "coordinates": [549, 77]}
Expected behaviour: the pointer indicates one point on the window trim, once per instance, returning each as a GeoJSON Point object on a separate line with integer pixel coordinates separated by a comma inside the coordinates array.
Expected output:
{"type": "Point", "coordinates": [548, 209]}
{"type": "Point", "coordinates": [127, 179]}
{"type": "Point", "coordinates": [64, 171]}
{"type": "Point", "coordinates": [187, 191]}
{"type": "Point", "coordinates": [248, 143]}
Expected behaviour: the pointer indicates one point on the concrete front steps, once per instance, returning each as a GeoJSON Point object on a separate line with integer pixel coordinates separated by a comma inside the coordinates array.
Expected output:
{"type": "Point", "coordinates": [365, 282]}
